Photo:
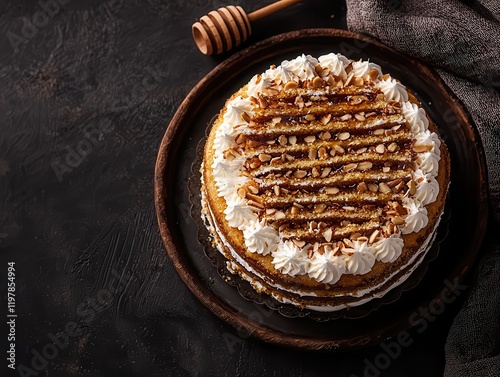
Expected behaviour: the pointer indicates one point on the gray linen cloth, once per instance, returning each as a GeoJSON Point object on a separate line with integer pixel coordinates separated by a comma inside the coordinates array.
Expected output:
{"type": "Point", "coordinates": [461, 40]}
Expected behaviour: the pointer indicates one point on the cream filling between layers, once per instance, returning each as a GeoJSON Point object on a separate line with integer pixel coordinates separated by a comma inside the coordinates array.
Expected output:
{"type": "Point", "coordinates": [263, 239]}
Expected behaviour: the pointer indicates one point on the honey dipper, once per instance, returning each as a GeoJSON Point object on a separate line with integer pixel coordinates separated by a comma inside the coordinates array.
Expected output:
{"type": "Point", "coordinates": [227, 27]}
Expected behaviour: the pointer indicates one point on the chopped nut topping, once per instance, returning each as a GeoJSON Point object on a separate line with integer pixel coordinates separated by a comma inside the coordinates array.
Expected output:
{"type": "Point", "coordinates": [264, 157]}
{"type": "Point", "coordinates": [393, 147]}
{"type": "Point", "coordinates": [339, 149]}
{"type": "Point", "coordinates": [328, 234]}
{"type": "Point", "coordinates": [350, 166]}
{"type": "Point", "coordinates": [291, 85]}
{"type": "Point", "coordinates": [378, 131]}
{"type": "Point", "coordinates": [344, 135]}
{"type": "Point", "coordinates": [313, 153]}
{"type": "Point", "coordinates": [292, 139]}
{"type": "Point", "coordinates": [345, 117]}
{"type": "Point", "coordinates": [242, 193]}
{"type": "Point", "coordinates": [320, 207]}
{"type": "Point", "coordinates": [299, 243]}
{"type": "Point", "coordinates": [380, 148]}
{"type": "Point", "coordinates": [279, 215]}
{"type": "Point", "coordinates": [359, 117]}
{"type": "Point", "coordinates": [332, 190]}
{"type": "Point", "coordinates": [365, 165]}
{"type": "Point", "coordinates": [374, 236]}
{"type": "Point", "coordinates": [310, 138]}
{"type": "Point", "coordinates": [325, 135]}
{"type": "Point", "coordinates": [282, 140]}
{"type": "Point", "coordinates": [325, 172]}
{"type": "Point", "coordinates": [383, 187]}
{"type": "Point", "coordinates": [362, 187]}
{"type": "Point", "coordinates": [310, 117]}
{"type": "Point", "coordinates": [326, 118]}
{"type": "Point", "coordinates": [373, 187]}
{"type": "Point", "coordinates": [386, 169]}
{"type": "Point", "coordinates": [397, 220]}
{"type": "Point", "coordinates": [300, 174]}
{"type": "Point", "coordinates": [263, 103]}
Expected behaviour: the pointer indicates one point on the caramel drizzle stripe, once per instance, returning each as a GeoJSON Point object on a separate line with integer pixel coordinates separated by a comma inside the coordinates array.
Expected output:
{"type": "Point", "coordinates": [288, 94]}
{"type": "Point", "coordinates": [338, 233]}
{"type": "Point", "coordinates": [360, 198]}
{"type": "Point", "coordinates": [327, 215]}
{"type": "Point", "coordinates": [261, 115]}
{"type": "Point", "coordinates": [272, 130]}
{"type": "Point", "coordinates": [399, 136]}
{"type": "Point", "coordinates": [344, 179]}
{"type": "Point", "coordinates": [332, 162]}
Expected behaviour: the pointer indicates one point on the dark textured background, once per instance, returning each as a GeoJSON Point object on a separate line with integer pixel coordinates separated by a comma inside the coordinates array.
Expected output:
{"type": "Point", "coordinates": [103, 79]}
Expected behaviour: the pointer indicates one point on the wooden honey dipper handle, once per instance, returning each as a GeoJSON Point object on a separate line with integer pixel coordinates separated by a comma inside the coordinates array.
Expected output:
{"type": "Point", "coordinates": [271, 8]}
{"type": "Point", "coordinates": [227, 27]}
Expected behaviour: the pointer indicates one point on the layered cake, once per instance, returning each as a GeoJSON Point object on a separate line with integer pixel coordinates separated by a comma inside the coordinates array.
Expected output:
{"type": "Point", "coordinates": [323, 182]}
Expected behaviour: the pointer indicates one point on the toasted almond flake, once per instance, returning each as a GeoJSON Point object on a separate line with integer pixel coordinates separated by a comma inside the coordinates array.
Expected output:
{"type": "Point", "coordinates": [399, 186]}
{"type": "Point", "coordinates": [318, 82]}
{"type": "Point", "coordinates": [378, 131]}
{"type": "Point", "coordinates": [289, 157]}
{"type": "Point", "coordinates": [358, 81]}
{"type": "Point", "coordinates": [345, 117]}
{"type": "Point", "coordinates": [362, 187]}
{"type": "Point", "coordinates": [398, 220]}
{"type": "Point", "coordinates": [292, 139]}
{"type": "Point", "coordinates": [370, 114]}
{"type": "Point", "coordinates": [359, 117]}
{"type": "Point", "coordinates": [412, 186]}
{"type": "Point", "coordinates": [322, 153]}
{"type": "Point", "coordinates": [295, 210]}
{"type": "Point", "coordinates": [373, 187]}
{"type": "Point", "coordinates": [348, 208]}
{"type": "Point", "coordinates": [315, 172]}
{"type": "Point", "coordinates": [394, 182]}
{"type": "Point", "coordinates": [326, 119]}
{"type": "Point", "coordinates": [373, 74]}
{"type": "Point", "coordinates": [380, 148]}
{"type": "Point", "coordinates": [393, 147]}
{"type": "Point", "coordinates": [300, 174]}
{"type": "Point", "coordinates": [298, 205]}
{"type": "Point", "coordinates": [291, 85]}
{"type": "Point", "coordinates": [365, 165]}
{"type": "Point", "coordinates": [325, 172]}
{"type": "Point", "coordinates": [310, 117]}
{"type": "Point", "coordinates": [320, 207]}
{"type": "Point", "coordinates": [339, 149]}
{"type": "Point", "coordinates": [325, 135]}
{"type": "Point", "coordinates": [386, 169]}
{"type": "Point", "coordinates": [349, 79]}
{"type": "Point", "coordinates": [270, 211]}
{"type": "Point", "coordinates": [344, 135]}
{"type": "Point", "coordinates": [264, 157]}
{"type": "Point", "coordinates": [332, 190]}
{"type": "Point", "coordinates": [253, 189]}
{"type": "Point", "coordinates": [240, 139]}
{"type": "Point", "coordinates": [253, 203]}
{"type": "Point", "coordinates": [299, 243]}
{"type": "Point", "coordinates": [350, 166]}
{"type": "Point", "coordinates": [396, 127]}
{"type": "Point", "coordinates": [384, 188]}
{"type": "Point", "coordinates": [276, 190]}
{"type": "Point", "coordinates": [279, 215]}
{"type": "Point", "coordinates": [245, 117]}
{"type": "Point", "coordinates": [313, 153]}
{"type": "Point", "coordinates": [282, 140]}
{"type": "Point", "coordinates": [310, 138]}
{"type": "Point", "coordinates": [242, 193]}
{"type": "Point", "coordinates": [373, 236]}
{"type": "Point", "coordinates": [263, 103]}
{"type": "Point", "coordinates": [362, 150]}
{"type": "Point", "coordinates": [328, 234]}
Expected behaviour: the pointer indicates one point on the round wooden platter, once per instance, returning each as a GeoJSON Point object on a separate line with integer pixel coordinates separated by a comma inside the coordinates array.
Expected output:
{"type": "Point", "coordinates": [461, 238]}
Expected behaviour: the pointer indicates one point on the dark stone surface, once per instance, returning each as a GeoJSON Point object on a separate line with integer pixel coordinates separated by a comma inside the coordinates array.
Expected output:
{"type": "Point", "coordinates": [87, 89]}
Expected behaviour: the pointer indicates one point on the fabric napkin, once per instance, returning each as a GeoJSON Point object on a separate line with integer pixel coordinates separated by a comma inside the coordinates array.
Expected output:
{"type": "Point", "coordinates": [461, 40]}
